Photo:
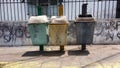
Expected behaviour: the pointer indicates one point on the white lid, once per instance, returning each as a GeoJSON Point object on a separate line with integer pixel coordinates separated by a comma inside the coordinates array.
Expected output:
{"type": "Point", "coordinates": [59, 19]}
{"type": "Point", "coordinates": [38, 19]}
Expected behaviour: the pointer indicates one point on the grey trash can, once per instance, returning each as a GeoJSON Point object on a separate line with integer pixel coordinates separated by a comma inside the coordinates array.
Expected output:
{"type": "Point", "coordinates": [84, 30]}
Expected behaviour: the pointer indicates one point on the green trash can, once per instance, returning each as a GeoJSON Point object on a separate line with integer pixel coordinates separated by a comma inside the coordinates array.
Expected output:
{"type": "Point", "coordinates": [38, 31]}
{"type": "Point", "coordinates": [84, 30]}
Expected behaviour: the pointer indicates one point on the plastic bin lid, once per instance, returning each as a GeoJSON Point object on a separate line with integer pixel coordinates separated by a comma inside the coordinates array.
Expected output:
{"type": "Point", "coordinates": [59, 20]}
{"type": "Point", "coordinates": [38, 19]}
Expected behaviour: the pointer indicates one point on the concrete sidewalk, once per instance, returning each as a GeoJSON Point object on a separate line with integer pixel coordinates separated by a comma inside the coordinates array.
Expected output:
{"type": "Point", "coordinates": [97, 56]}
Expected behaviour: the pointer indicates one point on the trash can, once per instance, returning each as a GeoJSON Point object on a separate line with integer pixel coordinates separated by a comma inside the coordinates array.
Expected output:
{"type": "Point", "coordinates": [84, 30]}
{"type": "Point", "coordinates": [38, 30]}
{"type": "Point", "coordinates": [58, 31]}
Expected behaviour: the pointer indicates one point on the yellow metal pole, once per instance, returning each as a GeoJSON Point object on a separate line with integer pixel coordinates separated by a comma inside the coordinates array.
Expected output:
{"type": "Point", "coordinates": [60, 9]}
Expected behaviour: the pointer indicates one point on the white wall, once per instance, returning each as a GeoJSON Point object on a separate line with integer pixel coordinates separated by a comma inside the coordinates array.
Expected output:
{"type": "Point", "coordinates": [16, 33]}
{"type": "Point", "coordinates": [107, 32]}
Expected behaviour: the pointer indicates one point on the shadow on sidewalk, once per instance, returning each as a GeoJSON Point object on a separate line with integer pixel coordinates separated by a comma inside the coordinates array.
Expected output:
{"type": "Point", "coordinates": [78, 52]}
{"type": "Point", "coordinates": [43, 53]}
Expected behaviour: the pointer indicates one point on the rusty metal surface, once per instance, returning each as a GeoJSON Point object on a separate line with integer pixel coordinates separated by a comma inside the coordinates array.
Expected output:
{"type": "Point", "coordinates": [85, 33]}
{"type": "Point", "coordinates": [58, 34]}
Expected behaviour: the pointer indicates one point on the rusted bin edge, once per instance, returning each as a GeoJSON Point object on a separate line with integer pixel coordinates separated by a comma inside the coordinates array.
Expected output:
{"type": "Point", "coordinates": [58, 33]}
{"type": "Point", "coordinates": [85, 20]}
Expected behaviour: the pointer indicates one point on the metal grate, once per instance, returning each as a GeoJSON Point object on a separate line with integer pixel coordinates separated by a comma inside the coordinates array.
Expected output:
{"type": "Point", "coordinates": [21, 10]}
{"type": "Point", "coordinates": [102, 9]}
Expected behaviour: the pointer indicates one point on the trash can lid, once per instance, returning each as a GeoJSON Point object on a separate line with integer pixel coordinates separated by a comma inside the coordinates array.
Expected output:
{"type": "Point", "coordinates": [59, 20]}
{"type": "Point", "coordinates": [38, 19]}
{"type": "Point", "coordinates": [85, 19]}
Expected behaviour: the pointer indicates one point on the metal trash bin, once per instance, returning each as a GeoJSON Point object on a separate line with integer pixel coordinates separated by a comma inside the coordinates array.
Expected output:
{"type": "Point", "coordinates": [58, 32]}
{"type": "Point", "coordinates": [38, 30]}
{"type": "Point", "coordinates": [84, 30]}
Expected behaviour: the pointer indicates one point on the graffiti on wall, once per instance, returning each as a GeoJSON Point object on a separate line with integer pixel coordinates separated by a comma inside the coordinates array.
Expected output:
{"type": "Point", "coordinates": [16, 33]}
{"type": "Point", "coordinates": [9, 32]}
{"type": "Point", "coordinates": [107, 30]}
